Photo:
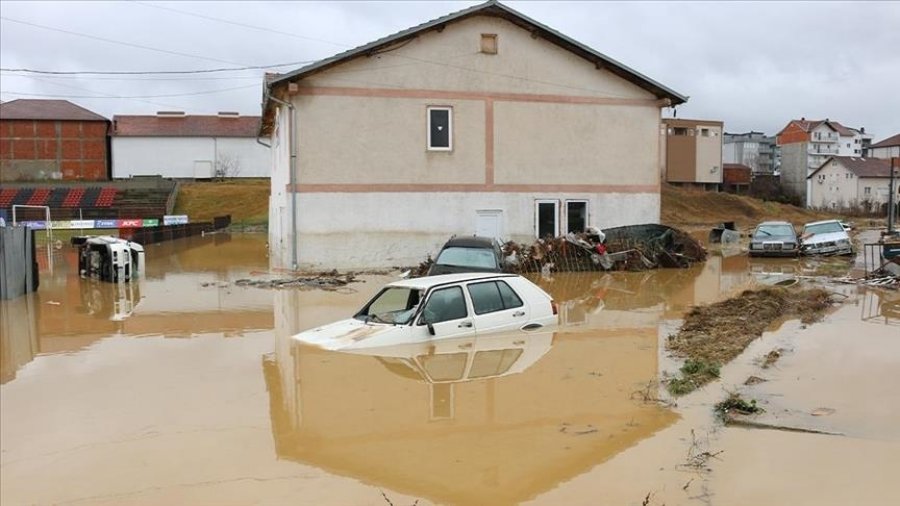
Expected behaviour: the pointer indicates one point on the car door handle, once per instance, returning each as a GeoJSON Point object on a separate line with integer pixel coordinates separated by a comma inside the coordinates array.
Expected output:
{"type": "Point", "coordinates": [519, 313]}
{"type": "Point", "coordinates": [466, 325]}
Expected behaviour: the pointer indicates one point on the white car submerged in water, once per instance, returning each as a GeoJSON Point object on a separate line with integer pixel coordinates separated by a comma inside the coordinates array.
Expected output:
{"type": "Point", "coordinates": [827, 237]}
{"type": "Point", "coordinates": [440, 307]}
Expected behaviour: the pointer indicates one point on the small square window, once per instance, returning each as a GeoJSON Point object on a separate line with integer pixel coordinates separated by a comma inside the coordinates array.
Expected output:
{"type": "Point", "coordinates": [440, 128]}
{"type": "Point", "coordinates": [489, 43]}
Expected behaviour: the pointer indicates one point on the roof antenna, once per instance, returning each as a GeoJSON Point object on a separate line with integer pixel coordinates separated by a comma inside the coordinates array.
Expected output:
{"type": "Point", "coordinates": [674, 112]}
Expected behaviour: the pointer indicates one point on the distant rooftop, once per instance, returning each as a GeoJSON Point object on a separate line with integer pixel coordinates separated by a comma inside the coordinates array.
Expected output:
{"type": "Point", "coordinates": [47, 110]}
{"type": "Point", "coordinates": [178, 124]}
{"type": "Point", "coordinates": [888, 143]}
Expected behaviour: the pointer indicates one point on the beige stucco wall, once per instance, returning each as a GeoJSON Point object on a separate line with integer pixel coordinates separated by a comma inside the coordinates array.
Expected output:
{"type": "Point", "coordinates": [709, 155]}
{"type": "Point", "coordinates": [377, 133]}
{"type": "Point", "coordinates": [575, 143]}
{"type": "Point", "coordinates": [451, 60]}
{"type": "Point", "coordinates": [840, 188]}
{"type": "Point", "coordinates": [383, 140]}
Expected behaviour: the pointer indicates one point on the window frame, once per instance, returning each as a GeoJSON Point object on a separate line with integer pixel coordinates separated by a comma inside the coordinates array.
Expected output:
{"type": "Point", "coordinates": [503, 306]}
{"type": "Point", "coordinates": [587, 213]}
{"type": "Point", "coordinates": [537, 216]}
{"type": "Point", "coordinates": [428, 144]}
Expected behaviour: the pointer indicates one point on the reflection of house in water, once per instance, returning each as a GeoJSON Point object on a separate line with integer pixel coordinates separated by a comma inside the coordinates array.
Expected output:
{"type": "Point", "coordinates": [475, 421]}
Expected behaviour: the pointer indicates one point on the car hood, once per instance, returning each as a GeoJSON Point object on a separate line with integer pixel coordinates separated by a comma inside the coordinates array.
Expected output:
{"type": "Point", "coordinates": [352, 333]}
{"type": "Point", "coordinates": [826, 237]}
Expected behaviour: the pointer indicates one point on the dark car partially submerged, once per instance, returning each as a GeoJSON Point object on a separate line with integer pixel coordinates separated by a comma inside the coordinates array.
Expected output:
{"type": "Point", "coordinates": [774, 239]}
{"type": "Point", "coordinates": [468, 254]}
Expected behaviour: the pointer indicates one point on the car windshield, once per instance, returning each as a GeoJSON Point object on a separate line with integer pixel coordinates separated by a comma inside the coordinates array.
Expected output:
{"type": "Point", "coordinates": [770, 230]}
{"type": "Point", "coordinates": [394, 305]}
{"type": "Point", "coordinates": [823, 228]}
{"type": "Point", "coordinates": [467, 257]}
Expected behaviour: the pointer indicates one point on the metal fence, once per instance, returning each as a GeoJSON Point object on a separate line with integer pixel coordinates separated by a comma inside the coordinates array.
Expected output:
{"type": "Point", "coordinates": [18, 262]}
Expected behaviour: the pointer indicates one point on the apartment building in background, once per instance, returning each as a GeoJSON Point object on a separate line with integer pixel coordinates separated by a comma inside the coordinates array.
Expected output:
{"type": "Point", "coordinates": [806, 145]}
{"type": "Point", "coordinates": [752, 149]}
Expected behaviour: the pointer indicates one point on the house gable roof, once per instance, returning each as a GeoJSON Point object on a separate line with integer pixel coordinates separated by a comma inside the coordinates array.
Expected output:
{"type": "Point", "coordinates": [810, 125]}
{"type": "Point", "coordinates": [861, 167]}
{"type": "Point", "coordinates": [887, 143]}
{"type": "Point", "coordinates": [46, 110]}
{"type": "Point", "coordinates": [489, 8]}
{"type": "Point", "coordinates": [185, 126]}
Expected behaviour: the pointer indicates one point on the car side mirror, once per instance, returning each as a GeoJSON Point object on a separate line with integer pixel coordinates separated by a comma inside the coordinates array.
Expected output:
{"type": "Point", "coordinates": [430, 328]}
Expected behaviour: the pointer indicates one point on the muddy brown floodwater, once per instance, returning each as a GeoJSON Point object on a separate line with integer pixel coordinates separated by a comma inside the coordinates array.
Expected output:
{"type": "Point", "coordinates": [186, 389]}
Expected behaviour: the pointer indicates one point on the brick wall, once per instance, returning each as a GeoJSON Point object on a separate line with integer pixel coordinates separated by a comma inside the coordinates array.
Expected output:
{"type": "Point", "coordinates": [35, 150]}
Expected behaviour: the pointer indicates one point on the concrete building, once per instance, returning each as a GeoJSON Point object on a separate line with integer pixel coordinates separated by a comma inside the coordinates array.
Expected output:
{"type": "Point", "coordinates": [753, 149]}
{"type": "Point", "coordinates": [175, 145]}
{"type": "Point", "coordinates": [482, 121]}
{"type": "Point", "coordinates": [807, 144]}
{"type": "Point", "coordinates": [693, 152]}
{"type": "Point", "coordinates": [736, 177]}
{"type": "Point", "coordinates": [886, 149]}
{"type": "Point", "coordinates": [848, 181]}
{"type": "Point", "coordinates": [51, 140]}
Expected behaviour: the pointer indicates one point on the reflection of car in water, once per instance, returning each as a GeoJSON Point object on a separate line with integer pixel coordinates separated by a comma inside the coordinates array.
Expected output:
{"type": "Point", "coordinates": [774, 238]}
{"type": "Point", "coordinates": [114, 302]}
{"type": "Point", "coordinates": [463, 359]}
{"type": "Point", "coordinates": [826, 237]}
{"type": "Point", "coordinates": [440, 307]}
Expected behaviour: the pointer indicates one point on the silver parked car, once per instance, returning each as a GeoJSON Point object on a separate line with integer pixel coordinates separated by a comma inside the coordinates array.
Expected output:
{"type": "Point", "coordinates": [825, 237]}
{"type": "Point", "coordinates": [774, 239]}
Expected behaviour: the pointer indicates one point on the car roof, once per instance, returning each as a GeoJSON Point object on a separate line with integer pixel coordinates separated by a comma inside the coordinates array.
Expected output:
{"type": "Point", "coordinates": [471, 241]}
{"type": "Point", "coordinates": [775, 223]}
{"type": "Point", "coordinates": [427, 282]}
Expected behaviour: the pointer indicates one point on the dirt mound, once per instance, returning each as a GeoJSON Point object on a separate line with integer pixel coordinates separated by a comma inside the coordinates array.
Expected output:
{"type": "Point", "coordinates": [682, 207]}
{"type": "Point", "coordinates": [715, 334]}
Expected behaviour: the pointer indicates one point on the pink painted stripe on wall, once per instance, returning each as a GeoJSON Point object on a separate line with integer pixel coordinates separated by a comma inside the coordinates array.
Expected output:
{"type": "Point", "coordinates": [498, 188]}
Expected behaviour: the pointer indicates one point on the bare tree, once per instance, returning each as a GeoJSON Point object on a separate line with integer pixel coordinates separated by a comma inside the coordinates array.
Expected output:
{"type": "Point", "coordinates": [228, 165]}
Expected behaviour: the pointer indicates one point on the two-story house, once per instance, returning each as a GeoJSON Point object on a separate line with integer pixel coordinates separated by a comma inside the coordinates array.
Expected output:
{"type": "Point", "coordinates": [848, 181]}
{"type": "Point", "coordinates": [482, 122]}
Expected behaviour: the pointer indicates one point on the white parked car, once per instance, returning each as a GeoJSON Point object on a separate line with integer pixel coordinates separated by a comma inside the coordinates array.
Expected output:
{"type": "Point", "coordinates": [440, 307]}
{"type": "Point", "coordinates": [826, 237]}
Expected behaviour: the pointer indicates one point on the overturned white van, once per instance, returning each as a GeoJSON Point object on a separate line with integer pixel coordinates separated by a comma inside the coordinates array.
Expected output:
{"type": "Point", "coordinates": [109, 258]}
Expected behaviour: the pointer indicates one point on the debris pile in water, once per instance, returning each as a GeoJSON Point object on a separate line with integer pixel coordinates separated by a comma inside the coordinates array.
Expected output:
{"type": "Point", "coordinates": [323, 280]}
{"type": "Point", "coordinates": [631, 248]}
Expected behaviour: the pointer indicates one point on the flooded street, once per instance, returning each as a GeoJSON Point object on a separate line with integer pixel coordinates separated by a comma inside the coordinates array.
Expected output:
{"type": "Point", "coordinates": [184, 388]}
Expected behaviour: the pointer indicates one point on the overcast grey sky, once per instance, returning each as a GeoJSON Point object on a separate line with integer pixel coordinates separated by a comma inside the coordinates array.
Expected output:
{"type": "Point", "coordinates": [754, 65]}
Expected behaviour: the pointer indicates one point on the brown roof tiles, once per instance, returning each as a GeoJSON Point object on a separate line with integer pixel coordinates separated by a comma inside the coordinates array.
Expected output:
{"type": "Point", "coordinates": [887, 143]}
{"type": "Point", "coordinates": [862, 167]}
{"type": "Point", "coordinates": [47, 110]}
{"type": "Point", "coordinates": [185, 126]}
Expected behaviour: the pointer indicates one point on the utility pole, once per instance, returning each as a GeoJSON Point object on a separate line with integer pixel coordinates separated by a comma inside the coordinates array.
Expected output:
{"type": "Point", "coordinates": [892, 211]}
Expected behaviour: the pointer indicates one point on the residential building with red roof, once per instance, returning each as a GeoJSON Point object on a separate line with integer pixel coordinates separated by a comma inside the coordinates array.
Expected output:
{"type": "Point", "coordinates": [888, 148]}
{"type": "Point", "coordinates": [806, 144]}
{"type": "Point", "coordinates": [173, 144]}
{"type": "Point", "coordinates": [848, 181]}
{"type": "Point", "coordinates": [52, 140]}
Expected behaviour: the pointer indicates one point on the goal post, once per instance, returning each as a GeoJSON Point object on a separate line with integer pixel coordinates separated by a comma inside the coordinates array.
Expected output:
{"type": "Point", "coordinates": [47, 223]}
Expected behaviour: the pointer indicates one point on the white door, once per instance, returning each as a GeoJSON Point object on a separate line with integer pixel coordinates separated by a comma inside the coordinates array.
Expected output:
{"type": "Point", "coordinates": [448, 313]}
{"type": "Point", "coordinates": [497, 307]}
{"type": "Point", "coordinates": [488, 223]}
{"type": "Point", "coordinates": [203, 169]}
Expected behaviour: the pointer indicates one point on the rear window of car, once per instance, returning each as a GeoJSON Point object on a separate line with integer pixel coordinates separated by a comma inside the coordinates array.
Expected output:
{"type": "Point", "coordinates": [468, 257]}
{"type": "Point", "coordinates": [493, 296]}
